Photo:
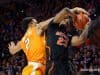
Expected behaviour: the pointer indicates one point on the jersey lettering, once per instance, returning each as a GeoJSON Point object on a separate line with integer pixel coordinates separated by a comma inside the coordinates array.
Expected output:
{"type": "Point", "coordinates": [62, 39]}
{"type": "Point", "coordinates": [27, 43]}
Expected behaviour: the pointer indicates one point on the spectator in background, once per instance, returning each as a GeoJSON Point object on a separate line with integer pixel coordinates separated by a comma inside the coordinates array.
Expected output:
{"type": "Point", "coordinates": [2, 73]}
{"type": "Point", "coordinates": [10, 69]}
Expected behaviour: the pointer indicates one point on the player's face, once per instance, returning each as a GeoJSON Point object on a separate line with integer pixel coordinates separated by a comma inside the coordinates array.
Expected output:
{"type": "Point", "coordinates": [65, 24]}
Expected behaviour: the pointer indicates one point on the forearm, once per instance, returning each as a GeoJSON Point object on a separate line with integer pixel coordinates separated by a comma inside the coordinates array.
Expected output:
{"type": "Point", "coordinates": [44, 24]}
{"type": "Point", "coordinates": [84, 34]}
{"type": "Point", "coordinates": [62, 15]}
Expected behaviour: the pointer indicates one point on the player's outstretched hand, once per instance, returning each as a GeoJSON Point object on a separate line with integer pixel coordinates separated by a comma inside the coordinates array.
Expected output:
{"type": "Point", "coordinates": [11, 46]}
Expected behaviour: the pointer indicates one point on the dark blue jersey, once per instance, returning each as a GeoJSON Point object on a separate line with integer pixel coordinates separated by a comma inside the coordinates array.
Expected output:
{"type": "Point", "coordinates": [57, 40]}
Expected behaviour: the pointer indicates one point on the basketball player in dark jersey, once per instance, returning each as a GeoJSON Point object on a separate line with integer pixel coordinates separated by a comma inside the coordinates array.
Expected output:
{"type": "Point", "coordinates": [58, 41]}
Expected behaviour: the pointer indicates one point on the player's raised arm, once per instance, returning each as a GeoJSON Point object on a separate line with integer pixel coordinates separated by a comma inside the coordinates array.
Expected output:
{"type": "Point", "coordinates": [62, 15]}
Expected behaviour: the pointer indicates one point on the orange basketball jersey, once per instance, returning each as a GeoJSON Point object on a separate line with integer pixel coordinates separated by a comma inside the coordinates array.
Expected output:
{"type": "Point", "coordinates": [34, 46]}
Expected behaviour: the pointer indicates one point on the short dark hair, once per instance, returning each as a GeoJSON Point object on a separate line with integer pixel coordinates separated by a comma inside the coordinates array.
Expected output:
{"type": "Point", "coordinates": [25, 23]}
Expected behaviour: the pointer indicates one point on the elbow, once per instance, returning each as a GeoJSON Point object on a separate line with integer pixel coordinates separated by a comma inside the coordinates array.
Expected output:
{"type": "Point", "coordinates": [76, 41]}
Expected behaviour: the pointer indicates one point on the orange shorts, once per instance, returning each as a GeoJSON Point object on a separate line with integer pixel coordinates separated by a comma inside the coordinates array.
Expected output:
{"type": "Point", "coordinates": [34, 68]}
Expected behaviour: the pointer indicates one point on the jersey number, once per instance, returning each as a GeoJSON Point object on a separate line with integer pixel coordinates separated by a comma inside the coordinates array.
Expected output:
{"type": "Point", "coordinates": [27, 43]}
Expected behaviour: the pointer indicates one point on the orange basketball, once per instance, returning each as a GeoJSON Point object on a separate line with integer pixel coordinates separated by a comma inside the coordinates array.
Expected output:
{"type": "Point", "coordinates": [81, 20]}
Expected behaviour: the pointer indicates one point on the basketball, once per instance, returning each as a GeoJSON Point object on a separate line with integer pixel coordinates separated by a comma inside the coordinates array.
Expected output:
{"type": "Point", "coordinates": [81, 20]}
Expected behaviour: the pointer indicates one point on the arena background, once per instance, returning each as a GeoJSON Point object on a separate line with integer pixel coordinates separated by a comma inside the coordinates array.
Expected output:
{"type": "Point", "coordinates": [11, 14]}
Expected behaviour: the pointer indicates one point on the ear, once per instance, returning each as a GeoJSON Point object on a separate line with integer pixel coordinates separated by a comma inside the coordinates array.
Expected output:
{"type": "Point", "coordinates": [33, 23]}
{"type": "Point", "coordinates": [34, 20]}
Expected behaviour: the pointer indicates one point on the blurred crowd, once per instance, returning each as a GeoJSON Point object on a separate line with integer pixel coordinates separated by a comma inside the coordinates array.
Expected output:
{"type": "Point", "coordinates": [84, 59]}
{"type": "Point", "coordinates": [11, 15]}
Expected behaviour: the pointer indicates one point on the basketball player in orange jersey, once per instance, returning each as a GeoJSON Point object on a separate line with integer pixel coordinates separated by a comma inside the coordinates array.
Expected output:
{"type": "Point", "coordinates": [33, 44]}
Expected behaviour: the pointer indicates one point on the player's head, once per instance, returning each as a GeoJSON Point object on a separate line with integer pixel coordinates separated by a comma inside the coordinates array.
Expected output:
{"type": "Point", "coordinates": [67, 24]}
{"type": "Point", "coordinates": [27, 22]}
